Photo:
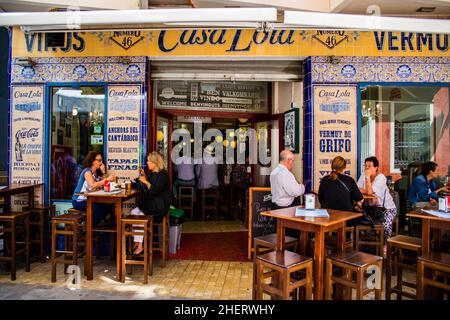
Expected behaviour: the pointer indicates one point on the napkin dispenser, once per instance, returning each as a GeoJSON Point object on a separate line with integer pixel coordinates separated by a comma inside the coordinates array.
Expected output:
{"type": "Point", "coordinates": [444, 203]}
{"type": "Point", "coordinates": [310, 201]}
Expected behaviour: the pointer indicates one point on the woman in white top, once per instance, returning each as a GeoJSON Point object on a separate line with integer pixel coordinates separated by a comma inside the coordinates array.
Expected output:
{"type": "Point", "coordinates": [373, 182]}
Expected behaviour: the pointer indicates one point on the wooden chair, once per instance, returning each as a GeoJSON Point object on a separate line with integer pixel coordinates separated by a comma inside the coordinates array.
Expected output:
{"type": "Point", "coordinates": [38, 215]}
{"type": "Point", "coordinates": [133, 225]}
{"type": "Point", "coordinates": [395, 260]}
{"type": "Point", "coordinates": [268, 242]}
{"type": "Point", "coordinates": [209, 202]}
{"type": "Point", "coordinates": [283, 264]}
{"type": "Point", "coordinates": [368, 236]}
{"type": "Point", "coordinates": [161, 239]}
{"type": "Point", "coordinates": [186, 199]}
{"type": "Point", "coordinates": [439, 265]}
{"type": "Point", "coordinates": [11, 231]}
{"type": "Point", "coordinates": [73, 237]}
{"type": "Point", "coordinates": [353, 262]}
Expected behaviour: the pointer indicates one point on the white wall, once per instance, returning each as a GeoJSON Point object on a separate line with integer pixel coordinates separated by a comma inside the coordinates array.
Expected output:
{"type": "Point", "coordinates": [284, 93]}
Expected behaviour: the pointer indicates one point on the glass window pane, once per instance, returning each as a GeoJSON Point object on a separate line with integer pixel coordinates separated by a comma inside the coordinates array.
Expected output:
{"type": "Point", "coordinates": [404, 125]}
{"type": "Point", "coordinates": [77, 127]}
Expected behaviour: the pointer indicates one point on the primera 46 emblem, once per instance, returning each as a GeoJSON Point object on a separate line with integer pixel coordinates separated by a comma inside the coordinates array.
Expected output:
{"type": "Point", "coordinates": [330, 39]}
{"type": "Point", "coordinates": [126, 39]}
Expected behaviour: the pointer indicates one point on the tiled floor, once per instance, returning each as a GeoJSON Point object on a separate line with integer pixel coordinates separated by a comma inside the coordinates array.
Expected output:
{"type": "Point", "coordinates": [181, 279]}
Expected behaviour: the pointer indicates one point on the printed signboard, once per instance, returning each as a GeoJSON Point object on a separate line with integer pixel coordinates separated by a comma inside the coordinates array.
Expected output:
{"type": "Point", "coordinates": [27, 139]}
{"type": "Point", "coordinates": [210, 96]}
{"type": "Point", "coordinates": [335, 129]}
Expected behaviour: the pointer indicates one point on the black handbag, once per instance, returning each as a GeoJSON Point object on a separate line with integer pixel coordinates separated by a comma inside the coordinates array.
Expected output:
{"type": "Point", "coordinates": [366, 219]}
{"type": "Point", "coordinates": [376, 213]}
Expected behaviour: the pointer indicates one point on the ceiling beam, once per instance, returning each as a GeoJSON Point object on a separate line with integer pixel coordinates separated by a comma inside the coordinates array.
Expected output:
{"type": "Point", "coordinates": [85, 4]}
{"type": "Point", "coordinates": [338, 21]}
{"type": "Point", "coordinates": [339, 5]}
{"type": "Point", "coordinates": [304, 5]}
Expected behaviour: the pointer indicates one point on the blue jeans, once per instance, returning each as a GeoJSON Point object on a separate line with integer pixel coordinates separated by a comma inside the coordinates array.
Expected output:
{"type": "Point", "coordinates": [100, 210]}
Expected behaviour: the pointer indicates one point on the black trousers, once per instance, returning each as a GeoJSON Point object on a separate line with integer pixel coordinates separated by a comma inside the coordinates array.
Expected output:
{"type": "Point", "coordinates": [289, 232]}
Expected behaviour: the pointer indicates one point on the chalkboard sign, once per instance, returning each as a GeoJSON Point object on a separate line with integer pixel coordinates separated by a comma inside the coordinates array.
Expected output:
{"type": "Point", "coordinates": [211, 96]}
{"type": "Point", "coordinates": [260, 200]}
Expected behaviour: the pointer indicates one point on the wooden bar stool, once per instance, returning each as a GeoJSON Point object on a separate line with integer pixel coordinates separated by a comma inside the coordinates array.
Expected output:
{"type": "Point", "coordinates": [283, 264]}
{"type": "Point", "coordinates": [331, 241]}
{"type": "Point", "coordinates": [161, 236]}
{"type": "Point", "coordinates": [226, 198]}
{"type": "Point", "coordinates": [73, 237]}
{"type": "Point", "coordinates": [186, 199]}
{"type": "Point", "coordinates": [102, 229]}
{"type": "Point", "coordinates": [395, 261]}
{"type": "Point", "coordinates": [133, 225]}
{"type": "Point", "coordinates": [368, 236]}
{"type": "Point", "coordinates": [353, 262]}
{"type": "Point", "coordinates": [37, 226]}
{"type": "Point", "coordinates": [209, 202]}
{"type": "Point", "coordinates": [11, 231]}
{"type": "Point", "coordinates": [269, 242]}
{"type": "Point", "coordinates": [439, 265]}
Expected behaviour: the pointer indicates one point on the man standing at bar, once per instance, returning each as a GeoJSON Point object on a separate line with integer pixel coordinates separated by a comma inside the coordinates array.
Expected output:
{"type": "Point", "coordinates": [285, 189]}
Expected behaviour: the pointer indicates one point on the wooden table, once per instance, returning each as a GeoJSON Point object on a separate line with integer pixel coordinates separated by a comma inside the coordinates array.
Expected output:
{"type": "Point", "coordinates": [118, 200]}
{"type": "Point", "coordinates": [15, 189]}
{"type": "Point", "coordinates": [430, 222]}
{"type": "Point", "coordinates": [319, 226]}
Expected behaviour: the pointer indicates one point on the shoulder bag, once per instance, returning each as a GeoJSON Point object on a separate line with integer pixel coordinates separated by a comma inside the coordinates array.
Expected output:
{"type": "Point", "coordinates": [375, 212]}
{"type": "Point", "coordinates": [366, 219]}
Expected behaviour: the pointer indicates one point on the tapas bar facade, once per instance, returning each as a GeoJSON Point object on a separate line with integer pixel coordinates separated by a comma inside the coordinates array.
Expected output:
{"type": "Point", "coordinates": [355, 94]}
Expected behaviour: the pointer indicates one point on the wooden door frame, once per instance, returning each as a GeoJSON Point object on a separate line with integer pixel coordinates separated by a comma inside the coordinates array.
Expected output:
{"type": "Point", "coordinates": [272, 117]}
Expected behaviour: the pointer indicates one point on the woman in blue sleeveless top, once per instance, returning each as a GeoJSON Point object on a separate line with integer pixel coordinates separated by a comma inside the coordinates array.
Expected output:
{"type": "Point", "coordinates": [91, 178]}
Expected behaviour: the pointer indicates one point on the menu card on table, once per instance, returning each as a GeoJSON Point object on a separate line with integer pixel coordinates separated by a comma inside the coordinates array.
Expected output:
{"type": "Point", "coordinates": [316, 213]}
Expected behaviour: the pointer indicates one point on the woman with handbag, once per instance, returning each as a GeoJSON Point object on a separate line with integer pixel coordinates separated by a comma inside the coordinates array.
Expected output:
{"type": "Point", "coordinates": [373, 183]}
{"type": "Point", "coordinates": [155, 189]}
{"type": "Point", "coordinates": [339, 191]}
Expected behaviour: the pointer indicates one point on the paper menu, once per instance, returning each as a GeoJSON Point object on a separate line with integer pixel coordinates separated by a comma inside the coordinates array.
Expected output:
{"type": "Point", "coordinates": [317, 213]}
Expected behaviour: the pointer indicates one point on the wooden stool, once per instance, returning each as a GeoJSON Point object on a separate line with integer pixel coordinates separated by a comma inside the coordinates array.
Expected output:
{"type": "Point", "coordinates": [282, 264]}
{"type": "Point", "coordinates": [162, 230]}
{"type": "Point", "coordinates": [226, 198]}
{"type": "Point", "coordinates": [186, 199]}
{"type": "Point", "coordinates": [242, 205]}
{"type": "Point", "coordinates": [268, 242]}
{"type": "Point", "coordinates": [331, 241]}
{"type": "Point", "coordinates": [210, 198]}
{"type": "Point", "coordinates": [37, 224]}
{"type": "Point", "coordinates": [395, 226]}
{"type": "Point", "coordinates": [375, 240]}
{"type": "Point", "coordinates": [357, 262]}
{"type": "Point", "coordinates": [104, 229]}
{"type": "Point", "coordinates": [9, 220]}
{"type": "Point", "coordinates": [395, 261]}
{"type": "Point", "coordinates": [133, 225]}
{"type": "Point", "coordinates": [439, 264]}
{"type": "Point", "coordinates": [72, 237]}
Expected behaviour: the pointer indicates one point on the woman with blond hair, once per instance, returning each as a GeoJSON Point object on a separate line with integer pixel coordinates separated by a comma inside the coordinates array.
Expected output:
{"type": "Point", "coordinates": [155, 193]}
{"type": "Point", "coordinates": [339, 191]}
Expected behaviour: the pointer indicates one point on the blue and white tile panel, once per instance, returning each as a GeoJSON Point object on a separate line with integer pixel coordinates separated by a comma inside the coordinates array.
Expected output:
{"type": "Point", "coordinates": [381, 69]}
{"type": "Point", "coordinates": [86, 69]}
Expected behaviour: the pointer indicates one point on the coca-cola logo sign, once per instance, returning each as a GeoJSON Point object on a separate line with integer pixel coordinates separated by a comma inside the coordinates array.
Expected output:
{"type": "Point", "coordinates": [27, 133]}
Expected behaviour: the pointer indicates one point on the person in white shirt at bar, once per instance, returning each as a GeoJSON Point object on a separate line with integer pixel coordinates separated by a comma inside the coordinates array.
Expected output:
{"type": "Point", "coordinates": [286, 191]}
